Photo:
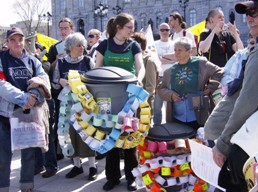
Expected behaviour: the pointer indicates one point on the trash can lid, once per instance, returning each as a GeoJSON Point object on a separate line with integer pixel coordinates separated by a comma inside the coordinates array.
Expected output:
{"type": "Point", "coordinates": [108, 75]}
{"type": "Point", "coordinates": [170, 131]}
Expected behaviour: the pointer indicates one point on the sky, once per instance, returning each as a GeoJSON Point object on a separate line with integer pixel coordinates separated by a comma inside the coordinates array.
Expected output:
{"type": "Point", "coordinates": [7, 15]}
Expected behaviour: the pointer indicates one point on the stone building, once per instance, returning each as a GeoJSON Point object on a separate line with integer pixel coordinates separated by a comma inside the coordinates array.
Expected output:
{"type": "Point", "coordinates": [3, 31]}
{"type": "Point", "coordinates": [84, 15]}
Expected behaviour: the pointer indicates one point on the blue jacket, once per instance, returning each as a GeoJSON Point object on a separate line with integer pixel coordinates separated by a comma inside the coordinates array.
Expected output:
{"type": "Point", "coordinates": [17, 72]}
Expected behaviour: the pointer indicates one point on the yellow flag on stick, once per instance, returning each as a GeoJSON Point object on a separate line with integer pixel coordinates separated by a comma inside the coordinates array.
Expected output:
{"type": "Point", "coordinates": [197, 29]}
{"type": "Point", "coordinates": [45, 41]}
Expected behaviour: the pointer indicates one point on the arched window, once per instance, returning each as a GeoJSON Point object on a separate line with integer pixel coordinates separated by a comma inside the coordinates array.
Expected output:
{"type": "Point", "coordinates": [81, 26]}
{"type": "Point", "coordinates": [81, 3]}
{"type": "Point", "coordinates": [158, 19]}
{"type": "Point", "coordinates": [192, 17]}
{"type": "Point", "coordinates": [63, 5]}
{"type": "Point", "coordinates": [143, 21]}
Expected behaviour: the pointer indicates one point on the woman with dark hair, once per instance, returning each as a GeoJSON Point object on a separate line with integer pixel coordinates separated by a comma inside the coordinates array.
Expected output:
{"type": "Point", "coordinates": [219, 43]}
{"type": "Point", "coordinates": [121, 51]}
{"type": "Point", "coordinates": [119, 30]}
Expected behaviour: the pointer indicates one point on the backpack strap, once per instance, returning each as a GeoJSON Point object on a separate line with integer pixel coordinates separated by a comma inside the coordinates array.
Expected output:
{"type": "Point", "coordinates": [184, 32]}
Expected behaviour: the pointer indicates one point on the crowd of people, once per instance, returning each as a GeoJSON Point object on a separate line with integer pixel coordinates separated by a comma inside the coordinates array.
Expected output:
{"type": "Point", "coordinates": [182, 78]}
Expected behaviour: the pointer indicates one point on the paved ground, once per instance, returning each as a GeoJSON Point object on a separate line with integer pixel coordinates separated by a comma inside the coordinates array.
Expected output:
{"type": "Point", "coordinates": [59, 183]}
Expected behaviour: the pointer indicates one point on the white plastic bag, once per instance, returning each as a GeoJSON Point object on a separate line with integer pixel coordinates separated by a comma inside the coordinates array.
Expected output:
{"type": "Point", "coordinates": [27, 129]}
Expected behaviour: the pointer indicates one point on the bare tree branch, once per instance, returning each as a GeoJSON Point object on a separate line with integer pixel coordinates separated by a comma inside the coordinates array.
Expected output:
{"type": "Point", "coordinates": [31, 12]}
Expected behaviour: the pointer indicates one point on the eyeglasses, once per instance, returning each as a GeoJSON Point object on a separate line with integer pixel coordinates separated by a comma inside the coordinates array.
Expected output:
{"type": "Point", "coordinates": [252, 12]}
{"type": "Point", "coordinates": [64, 28]}
{"type": "Point", "coordinates": [129, 27]}
{"type": "Point", "coordinates": [163, 30]}
{"type": "Point", "coordinates": [91, 36]}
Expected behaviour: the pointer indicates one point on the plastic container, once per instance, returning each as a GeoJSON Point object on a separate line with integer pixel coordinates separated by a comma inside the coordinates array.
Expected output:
{"type": "Point", "coordinates": [170, 131]}
{"type": "Point", "coordinates": [108, 86]}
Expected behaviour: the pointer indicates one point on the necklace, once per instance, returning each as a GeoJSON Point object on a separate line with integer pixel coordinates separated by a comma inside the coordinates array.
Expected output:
{"type": "Point", "coordinates": [118, 41]}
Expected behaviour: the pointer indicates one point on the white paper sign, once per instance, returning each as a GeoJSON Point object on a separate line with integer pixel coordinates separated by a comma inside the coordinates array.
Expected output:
{"type": "Point", "coordinates": [25, 135]}
{"type": "Point", "coordinates": [60, 48]}
{"type": "Point", "coordinates": [203, 164]}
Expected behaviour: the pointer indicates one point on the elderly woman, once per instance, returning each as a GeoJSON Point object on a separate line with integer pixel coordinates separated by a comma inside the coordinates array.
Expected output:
{"type": "Point", "coordinates": [75, 60]}
{"type": "Point", "coordinates": [189, 78]}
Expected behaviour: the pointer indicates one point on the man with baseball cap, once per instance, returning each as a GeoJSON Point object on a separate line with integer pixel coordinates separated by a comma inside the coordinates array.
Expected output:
{"type": "Point", "coordinates": [14, 31]}
{"type": "Point", "coordinates": [17, 68]}
{"type": "Point", "coordinates": [227, 153]}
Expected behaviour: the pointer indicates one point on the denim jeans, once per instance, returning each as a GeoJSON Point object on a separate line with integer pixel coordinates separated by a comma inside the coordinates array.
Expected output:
{"type": "Point", "coordinates": [48, 159]}
{"type": "Point", "coordinates": [27, 161]}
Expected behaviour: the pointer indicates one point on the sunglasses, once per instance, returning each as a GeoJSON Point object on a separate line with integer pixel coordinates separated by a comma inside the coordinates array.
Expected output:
{"type": "Point", "coordinates": [252, 12]}
{"type": "Point", "coordinates": [252, 42]}
{"type": "Point", "coordinates": [163, 30]}
{"type": "Point", "coordinates": [91, 36]}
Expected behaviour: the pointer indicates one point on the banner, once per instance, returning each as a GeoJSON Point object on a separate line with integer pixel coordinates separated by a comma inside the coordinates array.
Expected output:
{"type": "Point", "coordinates": [197, 29]}
{"type": "Point", "coordinates": [151, 48]}
{"type": "Point", "coordinates": [45, 41]}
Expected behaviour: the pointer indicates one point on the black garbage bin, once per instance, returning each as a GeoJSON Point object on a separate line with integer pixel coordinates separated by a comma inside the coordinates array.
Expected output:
{"type": "Point", "coordinates": [170, 131]}
{"type": "Point", "coordinates": [108, 86]}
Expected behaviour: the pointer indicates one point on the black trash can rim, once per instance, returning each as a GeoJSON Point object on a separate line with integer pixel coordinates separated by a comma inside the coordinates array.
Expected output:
{"type": "Point", "coordinates": [104, 75]}
{"type": "Point", "coordinates": [170, 131]}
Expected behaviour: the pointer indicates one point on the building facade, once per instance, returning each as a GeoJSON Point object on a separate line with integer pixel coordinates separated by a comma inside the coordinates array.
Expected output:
{"type": "Point", "coordinates": [3, 31]}
{"type": "Point", "coordinates": [84, 15]}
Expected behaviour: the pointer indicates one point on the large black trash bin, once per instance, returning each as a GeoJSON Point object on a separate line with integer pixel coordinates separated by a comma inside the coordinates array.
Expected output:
{"type": "Point", "coordinates": [170, 131]}
{"type": "Point", "coordinates": [108, 86]}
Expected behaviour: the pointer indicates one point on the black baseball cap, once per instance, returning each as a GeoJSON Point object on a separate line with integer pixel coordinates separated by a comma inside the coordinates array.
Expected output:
{"type": "Point", "coordinates": [14, 31]}
{"type": "Point", "coordinates": [242, 7]}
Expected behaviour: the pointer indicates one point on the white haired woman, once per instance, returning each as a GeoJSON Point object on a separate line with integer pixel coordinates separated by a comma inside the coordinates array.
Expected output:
{"type": "Point", "coordinates": [187, 77]}
{"type": "Point", "coordinates": [76, 60]}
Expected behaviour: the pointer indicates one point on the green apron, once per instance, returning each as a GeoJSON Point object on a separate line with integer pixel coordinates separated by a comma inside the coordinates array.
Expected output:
{"type": "Point", "coordinates": [122, 60]}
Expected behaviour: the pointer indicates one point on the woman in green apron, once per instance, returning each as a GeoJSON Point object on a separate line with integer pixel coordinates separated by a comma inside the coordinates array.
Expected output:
{"type": "Point", "coordinates": [121, 51]}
